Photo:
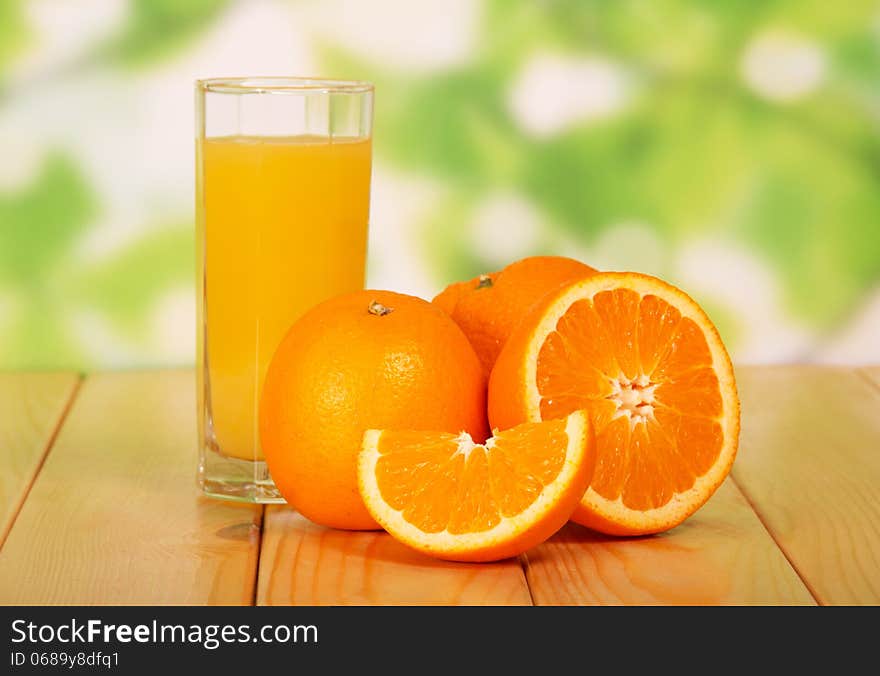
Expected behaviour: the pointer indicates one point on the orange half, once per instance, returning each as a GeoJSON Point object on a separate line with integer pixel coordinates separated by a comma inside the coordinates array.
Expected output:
{"type": "Point", "coordinates": [650, 368]}
{"type": "Point", "coordinates": [449, 497]}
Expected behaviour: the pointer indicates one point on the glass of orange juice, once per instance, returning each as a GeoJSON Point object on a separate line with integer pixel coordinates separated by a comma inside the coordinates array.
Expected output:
{"type": "Point", "coordinates": [282, 205]}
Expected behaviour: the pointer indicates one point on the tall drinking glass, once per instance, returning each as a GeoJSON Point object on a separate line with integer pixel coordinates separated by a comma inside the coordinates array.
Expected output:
{"type": "Point", "coordinates": [282, 204]}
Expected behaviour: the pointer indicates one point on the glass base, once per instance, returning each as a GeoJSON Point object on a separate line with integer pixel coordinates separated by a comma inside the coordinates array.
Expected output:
{"type": "Point", "coordinates": [235, 479]}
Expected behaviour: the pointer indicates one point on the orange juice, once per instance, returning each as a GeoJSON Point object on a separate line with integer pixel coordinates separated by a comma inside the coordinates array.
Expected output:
{"type": "Point", "coordinates": [284, 227]}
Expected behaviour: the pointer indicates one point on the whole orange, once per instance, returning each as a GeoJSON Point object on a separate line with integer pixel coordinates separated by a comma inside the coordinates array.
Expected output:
{"type": "Point", "coordinates": [368, 359]}
{"type": "Point", "coordinates": [489, 307]}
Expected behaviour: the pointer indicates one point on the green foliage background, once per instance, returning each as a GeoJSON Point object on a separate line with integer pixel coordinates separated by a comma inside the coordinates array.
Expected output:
{"type": "Point", "coordinates": [696, 156]}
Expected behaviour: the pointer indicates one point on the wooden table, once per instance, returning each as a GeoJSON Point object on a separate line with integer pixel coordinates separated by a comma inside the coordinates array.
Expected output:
{"type": "Point", "coordinates": [98, 505]}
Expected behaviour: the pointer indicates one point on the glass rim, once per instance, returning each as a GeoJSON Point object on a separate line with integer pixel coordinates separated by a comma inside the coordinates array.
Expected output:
{"type": "Point", "coordinates": [273, 84]}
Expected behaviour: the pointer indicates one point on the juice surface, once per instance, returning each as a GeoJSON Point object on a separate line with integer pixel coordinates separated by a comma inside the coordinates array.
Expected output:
{"type": "Point", "coordinates": [285, 227]}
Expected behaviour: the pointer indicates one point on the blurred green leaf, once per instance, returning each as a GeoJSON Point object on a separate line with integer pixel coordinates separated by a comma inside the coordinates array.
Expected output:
{"type": "Point", "coordinates": [40, 223]}
{"type": "Point", "coordinates": [13, 31]}
{"type": "Point", "coordinates": [39, 337]}
{"type": "Point", "coordinates": [583, 178]}
{"type": "Point", "coordinates": [444, 242]}
{"type": "Point", "coordinates": [695, 155]}
{"type": "Point", "coordinates": [126, 285]}
{"type": "Point", "coordinates": [453, 125]}
{"type": "Point", "coordinates": [156, 28]}
{"type": "Point", "coordinates": [821, 19]}
{"type": "Point", "coordinates": [817, 227]}
{"type": "Point", "coordinates": [857, 58]}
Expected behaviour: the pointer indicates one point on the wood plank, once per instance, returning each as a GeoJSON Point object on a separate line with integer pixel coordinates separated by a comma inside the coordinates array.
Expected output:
{"type": "Point", "coordinates": [872, 374]}
{"type": "Point", "coordinates": [810, 465]}
{"type": "Point", "coordinates": [305, 564]}
{"type": "Point", "coordinates": [115, 516]}
{"type": "Point", "coordinates": [721, 555]}
{"type": "Point", "coordinates": [31, 408]}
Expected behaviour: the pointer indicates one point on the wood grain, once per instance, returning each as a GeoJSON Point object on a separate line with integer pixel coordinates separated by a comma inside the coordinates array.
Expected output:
{"type": "Point", "coordinates": [305, 564]}
{"type": "Point", "coordinates": [115, 517]}
{"type": "Point", "coordinates": [810, 465]}
{"type": "Point", "coordinates": [872, 375]}
{"type": "Point", "coordinates": [31, 408]}
{"type": "Point", "coordinates": [721, 555]}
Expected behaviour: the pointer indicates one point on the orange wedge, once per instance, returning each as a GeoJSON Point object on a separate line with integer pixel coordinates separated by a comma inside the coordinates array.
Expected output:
{"type": "Point", "coordinates": [444, 495]}
{"type": "Point", "coordinates": [648, 365]}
